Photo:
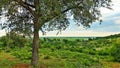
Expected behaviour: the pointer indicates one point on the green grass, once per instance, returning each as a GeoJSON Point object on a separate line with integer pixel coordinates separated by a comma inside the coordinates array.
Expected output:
{"type": "Point", "coordinates": [7, 60]}
{"type": "Point", "coordinates": [65, 53]}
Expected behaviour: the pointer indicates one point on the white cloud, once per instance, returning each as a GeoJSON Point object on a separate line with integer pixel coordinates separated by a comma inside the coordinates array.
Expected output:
{"type": "Point", "coordinates": [117, 22]}
{"type": "Point", "coordinates": [2, 33]}
{"type": "Point", "coordinates": [107, 12]}
{"type": "Point", "coordinates": [87, 33]}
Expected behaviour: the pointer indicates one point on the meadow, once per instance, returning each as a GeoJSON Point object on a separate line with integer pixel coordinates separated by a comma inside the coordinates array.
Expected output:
{"type": "Point", "coordinates": [62, 52]}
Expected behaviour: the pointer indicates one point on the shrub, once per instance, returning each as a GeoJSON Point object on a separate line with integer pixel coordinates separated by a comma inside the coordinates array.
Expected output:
{"type": "Point", "coordinates": [3, 41]}
{"type": "Point", "coordinates": [103, 52]}
{"type": "Point", "coordinates": [92, 52]}
{"type": "Point", "coordinates": [116, 53]}
{"type": "Point", "coordinates": [12, 41]}
{"type": "Point", "coordinates": [47, 57]}
{"type": "Point", "coordinates": [23, 53]}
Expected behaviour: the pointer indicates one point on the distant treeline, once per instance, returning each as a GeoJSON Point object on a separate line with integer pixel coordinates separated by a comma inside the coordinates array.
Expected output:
{"type": "Point", "coordinates": [107, 37]}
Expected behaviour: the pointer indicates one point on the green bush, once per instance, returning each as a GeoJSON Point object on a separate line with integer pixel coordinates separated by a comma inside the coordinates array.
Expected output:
{"type": "Point", "coordinates": [116, 53]}
{"type": "Point", "coordinates": [47, 57]}
{"type": "Point", "coordinates": [103, 52]}
{"type": "Point", "coordinates": [23, 53]}
{"type": "Point", "coordinates": [13, 40]}
{"type": "Point", "coordinates": [3, 41]}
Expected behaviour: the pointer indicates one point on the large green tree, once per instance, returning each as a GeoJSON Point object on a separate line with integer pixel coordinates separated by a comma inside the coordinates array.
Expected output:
{"type": "Point", "coordinates": [35, 15]}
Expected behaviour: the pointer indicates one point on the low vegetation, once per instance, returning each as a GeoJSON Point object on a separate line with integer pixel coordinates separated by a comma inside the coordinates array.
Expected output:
{"type": "Point", "coordinates": [62, 52]}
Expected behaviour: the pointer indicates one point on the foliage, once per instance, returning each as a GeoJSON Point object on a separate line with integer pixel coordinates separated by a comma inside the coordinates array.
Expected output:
{"type": "Point", "coordinates": [52, 14]}
{"type": "Point", "coordinates": [116, 52]}
{"type": "Point", "coordinates": [23, 53]}
{"type": "Point", "coordinates": [57, 53]}
{"type": "Point", "coordinates": [30, 16]}
{"type": "Point", "coordinates": [3, 41]}
{"type": "Point", "coordinates": [13, 40]}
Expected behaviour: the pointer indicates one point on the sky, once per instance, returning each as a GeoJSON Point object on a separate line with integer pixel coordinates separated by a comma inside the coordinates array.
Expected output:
{"type": "Point", "coordinates": [110, 25]}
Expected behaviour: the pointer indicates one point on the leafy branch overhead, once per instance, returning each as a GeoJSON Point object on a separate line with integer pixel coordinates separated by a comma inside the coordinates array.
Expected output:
{"type": "Point", "coordinates": [53, 13]}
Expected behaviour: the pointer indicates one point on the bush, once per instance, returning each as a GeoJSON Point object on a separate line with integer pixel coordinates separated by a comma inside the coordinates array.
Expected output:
{"type": "Point", "coordinates": [103, 52]}
{"type": "Point", "coordinates": [12, 41]}
{"type": "Point", "coordinates": [3, 41]}
{"type": "Point", "coordinates": [23, 53]}
{"type": "Point", "coordinates": [116, 53]}
{"type": "Point", "coordinates": [47, 57]}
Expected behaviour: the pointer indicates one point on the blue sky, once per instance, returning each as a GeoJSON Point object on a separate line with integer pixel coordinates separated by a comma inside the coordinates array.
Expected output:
{"type": "Point", "coordinates": [110, 24]}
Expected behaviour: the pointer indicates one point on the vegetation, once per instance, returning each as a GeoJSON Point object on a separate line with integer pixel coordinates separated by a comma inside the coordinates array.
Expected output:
{"type": "Point", "coordinates": [29, 16]}
{"type": "Point", "coordinates": [65, 52]}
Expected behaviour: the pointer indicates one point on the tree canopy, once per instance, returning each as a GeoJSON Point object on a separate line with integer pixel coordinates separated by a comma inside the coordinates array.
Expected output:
{"type": "Point", "coordinates": [53, 14]}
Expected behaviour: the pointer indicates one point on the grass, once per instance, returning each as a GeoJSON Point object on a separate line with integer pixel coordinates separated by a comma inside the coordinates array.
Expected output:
{"type": "Point", "coordinates": [9, 61]}
{"type": "Point", "coordinates": [59, 53]}
{"type": "Point", "coordinates": [110, 64]}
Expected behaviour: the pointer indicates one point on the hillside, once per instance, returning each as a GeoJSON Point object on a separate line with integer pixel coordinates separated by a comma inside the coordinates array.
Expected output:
{"type": "Point", "coordinates": [113, 36]}
{"type": "Point", "coordinates": [63, 52]}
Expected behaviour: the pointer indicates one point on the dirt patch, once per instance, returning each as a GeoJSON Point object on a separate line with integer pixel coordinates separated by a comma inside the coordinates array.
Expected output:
{"type": "Point", "coordinates": [21, 66]}
{"type": "Point", "coordinates": [116, 66]}
{"type": "Point", "coordinates": [27, 66]}
{"type": "Point", "coordinates": [43, 66]}
{"type": "Point", "coordinates": [111, 64]}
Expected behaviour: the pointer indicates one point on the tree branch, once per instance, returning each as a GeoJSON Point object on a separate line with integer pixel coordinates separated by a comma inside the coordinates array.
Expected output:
{"type": "Point", "coordinates": [56, 15]}
{"type": "Point", "coordinates": [29, 5]}
{"type": "Point", "coordinates": [26, 6]}
{"type": "Point", "coordinates": [62, 12]}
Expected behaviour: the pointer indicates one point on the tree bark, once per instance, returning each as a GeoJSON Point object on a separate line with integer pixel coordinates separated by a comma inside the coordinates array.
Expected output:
{"type": "Point", "coordinates": [35, 46]}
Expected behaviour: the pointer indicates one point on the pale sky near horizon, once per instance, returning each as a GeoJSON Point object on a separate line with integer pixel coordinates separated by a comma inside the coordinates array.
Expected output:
{"type": "Point", "coordinates": [110, 24]}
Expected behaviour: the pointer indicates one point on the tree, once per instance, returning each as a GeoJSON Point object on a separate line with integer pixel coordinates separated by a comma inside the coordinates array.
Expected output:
{"type": "Point", "coordinates": [49, 15]}
{"type": "Point", "coordinates": [14, 40]}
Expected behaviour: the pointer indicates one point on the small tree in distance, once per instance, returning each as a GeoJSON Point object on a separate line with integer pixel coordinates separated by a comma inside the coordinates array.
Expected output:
{"type": "Point", "coordinates": [26, 16]}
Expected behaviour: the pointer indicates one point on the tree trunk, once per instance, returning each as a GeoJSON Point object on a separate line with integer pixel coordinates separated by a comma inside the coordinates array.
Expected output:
{"type": "Point", "coordinates": [35, 46]}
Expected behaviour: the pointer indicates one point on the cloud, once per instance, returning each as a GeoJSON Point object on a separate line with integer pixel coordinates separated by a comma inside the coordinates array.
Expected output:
{"type": "Point", "coordinates": [2, 33]}
{"type": "Point", "coordinates": [117, 22]}
{"type": "Point", "coordinates": [106, 13]}
{"type": "Point", "coordinates": [87, 33]}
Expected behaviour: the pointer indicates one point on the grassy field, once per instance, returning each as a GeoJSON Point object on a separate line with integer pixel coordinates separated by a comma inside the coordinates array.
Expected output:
{"type": "Point", "coordinates": [64, 52]}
